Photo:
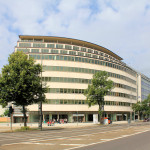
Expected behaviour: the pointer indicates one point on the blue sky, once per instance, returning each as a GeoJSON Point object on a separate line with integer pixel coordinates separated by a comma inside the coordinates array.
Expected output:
{"type": "Point", "coordinates": [123, 26]}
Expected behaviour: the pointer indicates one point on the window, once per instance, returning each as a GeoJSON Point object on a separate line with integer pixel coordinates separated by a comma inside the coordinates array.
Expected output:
{"type": "Point", "coordinates": [59, 46]}
{"type": "Point", "coordinates": [87, 55]}
{"type": "Point", "coordinates": [38, 40]}
{"type": "Point", "coordinates": [83, 49]}
{"type": "Point", "coordinates": [23, 50]}
{"type": "Point", "coordinates": [24, 44]}
{"type": "Point", "coordinates": [63, 52]}
{"type": "Point", "coordinates": [45, 50]}
{"type": "Point", "coordinates": [80, 54]}
{"type": "Point", "coordinates": [95, 52]}
{"type": "Point", "coordinates": [38, 45]}
{"type": "Point", "coordinates": [90, 50]}
{"type": "Point", "coordinates": [72, 52]}
{"type": "Point", "coordinates": [76, 48]}
{"type": "Point", "coordinates": [34, 50]}
{"type": "Point", "coordinates": [68, 47]}
{"type": "Point", "coordinates": [54, 51]}
{"type": "Point", "coordinates": [50, 45]}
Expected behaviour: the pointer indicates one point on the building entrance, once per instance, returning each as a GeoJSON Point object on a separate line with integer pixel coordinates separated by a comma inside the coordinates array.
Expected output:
{"type": "Point", "coordinates": [90, 117]}
{"type": "Point", "coordinates": [54, 117]}
{"type": "Point", "coordinates": [78, 118]}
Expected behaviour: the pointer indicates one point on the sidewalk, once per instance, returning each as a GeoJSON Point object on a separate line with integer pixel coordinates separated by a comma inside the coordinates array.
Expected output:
{"type": "Point", "coordinates": [5, 127]}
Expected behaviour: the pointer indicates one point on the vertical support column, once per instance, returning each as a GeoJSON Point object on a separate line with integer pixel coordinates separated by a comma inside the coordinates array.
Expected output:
{"type": "Point", "coordinates": [70, 118]}
{"type": "Point", "coordinates": [86, 117]}
{"type": "Point", "coordinates": [43, 118]}
{"type": "Point", "coordinates": [50, 116]}
{"type": "Point", "coordinates": [58, 116]}
{"type": "Point", "coordinates": [106, 114]}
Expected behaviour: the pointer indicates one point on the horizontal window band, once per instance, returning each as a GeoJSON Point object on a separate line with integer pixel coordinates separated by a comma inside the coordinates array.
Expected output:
{"type": "Point", "coordinates": [81, 91]}
{"type": "Point", "coordinates": [84, 102]}
{"type": "Point", "coordinates": [82, 81]}
{"type": "Point", "coordinates": [85, 70]}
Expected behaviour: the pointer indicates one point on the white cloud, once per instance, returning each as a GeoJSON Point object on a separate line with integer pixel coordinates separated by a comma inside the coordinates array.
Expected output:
{"type": "Point", "coordinates": [121, 26]}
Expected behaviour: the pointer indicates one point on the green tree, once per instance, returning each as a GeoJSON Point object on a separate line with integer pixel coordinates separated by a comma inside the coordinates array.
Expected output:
{"type": "Point", "coordinates": [98, 88]}
{"type": "Point", "coordinates": [146, 106]}
{"type": "Point", "coordinates": [20, 82]}
{"type": "Point", "coordinates": [6, 112]}
{"type": "Point", "coordinates": [143, 108]}
{"type": "Point", "coordinates": [137, 108]}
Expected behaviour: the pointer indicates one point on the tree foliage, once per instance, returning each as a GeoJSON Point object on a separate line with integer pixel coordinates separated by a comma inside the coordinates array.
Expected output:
{"type": "Point", "coordinates": [20, 82]}
{"type": "Point", "coordinates": [142, 107]}
{"type": "Point", "coordinates": [6, 112]}
{"type": "Point", "coordinates": [96, 91]}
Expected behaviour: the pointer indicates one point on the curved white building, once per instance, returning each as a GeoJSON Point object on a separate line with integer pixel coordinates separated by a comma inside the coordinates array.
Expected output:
{"type": "Point", "coordinates": [68, 67]}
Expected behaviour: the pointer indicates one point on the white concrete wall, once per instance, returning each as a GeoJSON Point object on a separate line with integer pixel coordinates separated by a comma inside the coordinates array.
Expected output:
{"type": "Point", "coordinates": [84, 108]}
{"type": "Point", "coordinates": [2, 110]}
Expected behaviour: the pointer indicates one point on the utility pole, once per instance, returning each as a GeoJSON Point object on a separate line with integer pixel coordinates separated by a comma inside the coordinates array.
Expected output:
{"type": "Point", "coordinates": [40, 104]}
{"type": "Point", "coordinates": [11, 110]}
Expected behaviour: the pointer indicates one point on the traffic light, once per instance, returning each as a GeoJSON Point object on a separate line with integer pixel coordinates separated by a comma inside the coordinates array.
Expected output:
{"type": "Point", "coordinates": [11, 110]}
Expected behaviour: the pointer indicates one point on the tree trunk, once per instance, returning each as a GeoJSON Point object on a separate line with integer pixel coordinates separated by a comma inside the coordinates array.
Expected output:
{"type": "Point", "coordinates": [100, 113]}
{"type": "Point", "coordinates": [138, 115]}
{"type": "Point", "coordinates": [24, 116]}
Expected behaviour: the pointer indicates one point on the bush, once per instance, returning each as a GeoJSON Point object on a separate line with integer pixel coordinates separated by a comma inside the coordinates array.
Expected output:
{"type": "Point", "coordinates": [25, 128]}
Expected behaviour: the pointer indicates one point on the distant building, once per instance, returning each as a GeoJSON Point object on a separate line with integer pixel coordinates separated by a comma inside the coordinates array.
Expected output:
{"type": "Point", "coordinates": [68, 67]}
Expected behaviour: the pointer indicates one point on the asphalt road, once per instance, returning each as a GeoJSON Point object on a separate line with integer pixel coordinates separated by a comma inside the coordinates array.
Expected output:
{"type": "Point", "coordinates": [93, 137]}
{"type": "Point", "coordinates": [135, 142]}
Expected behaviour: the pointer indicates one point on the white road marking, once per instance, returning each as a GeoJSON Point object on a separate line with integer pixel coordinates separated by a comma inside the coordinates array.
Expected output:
{"type": "Point", "coordinates": [105, 140]}
{"type": "Point", "coordinates": [43, 139]}
{"type": "Point", "coordinates": [74, 139]}
{"type": "Point", "coordinates": [74, 144]}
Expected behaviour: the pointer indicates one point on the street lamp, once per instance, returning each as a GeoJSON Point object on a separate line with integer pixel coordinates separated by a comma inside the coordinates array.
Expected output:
{"type": "Point", "coordinates": [40, 104]}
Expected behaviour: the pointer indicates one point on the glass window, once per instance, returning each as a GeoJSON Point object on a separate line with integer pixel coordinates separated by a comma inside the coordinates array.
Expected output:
{"type": "Point", "coordinates": [38, 40]}
{"type": "Point", "coordinates": [50, 45]}
{"type": "Point", "coordinates": [76, 48]}
{"type": "Point", "coordinates": [68, 47]}
{"type": "Point", "coordinates": [76, 102]}
{"type": "Point", "coordinates": [38, 45]}
{"type": "Point", "coordinates": [54, 51]}
{"type": "Point", "coordinates": [63, 52]}
{"type": "Point", "coordinates": [45, 50]}
{"type": "Point", "coordinates": [60, 46]}
{"type": "Point", "coordinates": [96, 52]}
{"type": "Point", "coordinates": [61, 91]}
{"type": "Point", "coordinates": [61, 102]}
{"type": "Point", "coordinates": [90, 50]}
{"type": "Point", "coordinates": [65, 57]}
{"type": "Point", "coordinates": [24, 44]}
{"type": "Point", "coordinates": [34, 50]}
{"type": "Point", "coordinates": [76, 91]}
{"type": "Point", "coordinates": [72, 52]}
{"type": "Point", "coordinates": [65, 90]}
{"type": "Point", "coordinates": [83, 49]}
{"type": "Point", "coordinates": [23, 50]}
{"type": "Point", "coordinates": [65, 101]}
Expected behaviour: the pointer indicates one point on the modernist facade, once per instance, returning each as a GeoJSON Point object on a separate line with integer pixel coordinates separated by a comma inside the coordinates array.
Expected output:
{"type": "Point", "coordinates": [68, 67]}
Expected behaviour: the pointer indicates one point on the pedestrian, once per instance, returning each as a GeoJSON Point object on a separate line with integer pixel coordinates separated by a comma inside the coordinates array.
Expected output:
{"type": "Point", "coordinates": [48, 123]}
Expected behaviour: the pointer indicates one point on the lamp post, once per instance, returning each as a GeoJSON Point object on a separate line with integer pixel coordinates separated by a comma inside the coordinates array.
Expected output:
{"type": "Point", "coordinates": [40, 104]}
{"type": "Point", "coordinates": [11, 110]}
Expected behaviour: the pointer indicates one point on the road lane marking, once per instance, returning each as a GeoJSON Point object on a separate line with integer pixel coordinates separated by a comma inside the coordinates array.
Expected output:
{"type": "Point", "coordinates": [74, 144]}
{"type": "Point", "coordinates": [105, 140]}
{"type": "Point", "coordinates": [41, 139]}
